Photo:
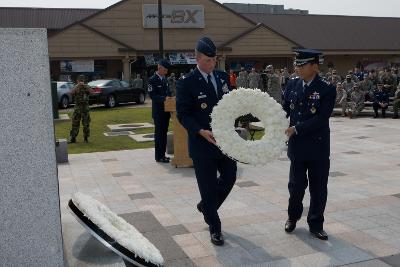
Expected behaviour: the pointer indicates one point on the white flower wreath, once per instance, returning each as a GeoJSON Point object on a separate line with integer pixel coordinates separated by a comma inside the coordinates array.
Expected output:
{"type": "Point", "coordinates": [271, 115]}
{"type": "Point", "coordinates": [117, 228]}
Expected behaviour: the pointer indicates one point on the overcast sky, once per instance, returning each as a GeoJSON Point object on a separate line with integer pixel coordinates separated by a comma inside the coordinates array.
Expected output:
{"type": "Point", "coordinates": [380, 8]}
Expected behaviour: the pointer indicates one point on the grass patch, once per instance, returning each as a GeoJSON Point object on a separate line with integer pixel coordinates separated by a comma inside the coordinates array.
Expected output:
{"type": "Point", "coordinates": [100, 118]}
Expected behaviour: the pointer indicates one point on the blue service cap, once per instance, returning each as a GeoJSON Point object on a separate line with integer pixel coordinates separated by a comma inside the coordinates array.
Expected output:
{"type": "Point", "coordinates": [304, 56]}
{"type": "Point", "coordinates": [206, 47]}
{"type": "Point", "coordinates": [164, 63]}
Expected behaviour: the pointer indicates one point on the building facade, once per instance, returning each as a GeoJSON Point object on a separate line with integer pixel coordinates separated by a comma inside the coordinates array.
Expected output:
{"type": "Point", "coordinates": [122, 39]}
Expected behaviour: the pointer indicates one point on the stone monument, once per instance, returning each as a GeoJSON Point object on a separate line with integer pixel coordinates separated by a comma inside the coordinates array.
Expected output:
{"type": "Point", "coordinates": [30, 207]}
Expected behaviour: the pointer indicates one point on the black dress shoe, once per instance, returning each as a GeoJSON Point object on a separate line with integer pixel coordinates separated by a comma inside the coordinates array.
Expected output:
{"type": "Point", "coordinates": [320, 234]}
{"type": "Point", "coordinates": [200, 207]}
{"type": "Point", "coordinates": [72, 140]}
{"type": "Point", "coordinates": [163, 160]}
{"type": "Point", "coordinates": [85, 139]}
{"type": "Point", "coordinates": [290, 225]}
{"type": "Point", "coordinates": [217, 239]}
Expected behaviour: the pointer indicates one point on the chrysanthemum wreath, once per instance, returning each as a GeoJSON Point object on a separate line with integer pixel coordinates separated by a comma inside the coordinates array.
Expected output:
{"type": "Point", "coordinates": [271, 115]}
{"type": "Point", "coordinates": [118, 229]}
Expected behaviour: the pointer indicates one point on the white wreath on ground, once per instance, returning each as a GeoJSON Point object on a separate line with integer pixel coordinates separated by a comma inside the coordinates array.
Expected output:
{"type": "Point", "coordinates": [271, 115]}
{"type": "Point", "coordinates": [117, 228]}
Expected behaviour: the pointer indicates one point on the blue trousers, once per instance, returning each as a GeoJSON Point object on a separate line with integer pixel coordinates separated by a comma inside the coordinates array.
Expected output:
{"type": "Point", "coordinates": [315, 174]}
{"type": "Point", "coordinates": [214, 189]}
{"type": "Point", "coordinates": [161, 123]}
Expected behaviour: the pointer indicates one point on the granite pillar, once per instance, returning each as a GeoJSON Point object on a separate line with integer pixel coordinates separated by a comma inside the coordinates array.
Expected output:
{"type": "Point", "coordinates": [30, 222]}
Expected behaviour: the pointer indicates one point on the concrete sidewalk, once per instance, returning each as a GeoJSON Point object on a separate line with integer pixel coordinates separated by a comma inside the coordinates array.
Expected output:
{"type": "Point", "coordinates": [362, 215]}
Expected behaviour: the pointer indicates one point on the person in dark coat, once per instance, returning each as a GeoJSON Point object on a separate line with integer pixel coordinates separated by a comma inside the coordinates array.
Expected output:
{"type": "Point", "coordinates": [381, 101]}
{"type": "Point", "coordinates": [197, 94]}
{"type": "Point", "coordinates": [159, 91]}
{"type": "Point", "coordinates": [309, 102]}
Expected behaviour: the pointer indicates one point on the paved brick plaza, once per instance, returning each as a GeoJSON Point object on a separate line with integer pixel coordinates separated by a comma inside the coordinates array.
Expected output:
{"type": "Point", "coordinates": [362, 216]}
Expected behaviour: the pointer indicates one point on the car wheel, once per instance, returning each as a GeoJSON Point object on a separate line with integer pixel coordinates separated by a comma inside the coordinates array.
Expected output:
{"type": "Point", "coordinates": [64, 103]}
{"type": "Point", "coordinates": [141, 98]}
{"type": "Point", "coordinates": [111, 101]}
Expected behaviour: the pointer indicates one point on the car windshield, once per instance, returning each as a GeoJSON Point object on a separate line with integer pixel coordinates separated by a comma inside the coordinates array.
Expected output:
{"type": "Point", "coordinates": [125, 84]}
{"type": "Point", "coordinates": [98, 83]}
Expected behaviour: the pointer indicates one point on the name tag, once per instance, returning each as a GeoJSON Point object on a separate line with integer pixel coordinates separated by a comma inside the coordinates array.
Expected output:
{"type": "Point", "coordinates": [201, 96]}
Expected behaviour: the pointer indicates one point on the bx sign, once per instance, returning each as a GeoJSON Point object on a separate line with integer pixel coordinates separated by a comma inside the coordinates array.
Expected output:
{"type": "Point", "coordinates": [174, 16]}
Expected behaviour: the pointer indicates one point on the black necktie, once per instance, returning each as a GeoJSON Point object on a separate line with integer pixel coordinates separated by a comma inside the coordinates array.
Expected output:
{"type": "Point", "coordinates": [210, 84]}
{"type": "Point", "coordinates": [305, 88]}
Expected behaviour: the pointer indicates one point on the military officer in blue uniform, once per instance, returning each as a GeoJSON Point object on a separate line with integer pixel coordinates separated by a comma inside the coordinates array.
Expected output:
{"type": "Point", "coordinates": [197, 94]}
{"type": "Point", "coordinates": [308, 101]}
{"type": "Point", "coordinates": [381, 101]}
{"type": "Point", "coordinates": [159, 91]}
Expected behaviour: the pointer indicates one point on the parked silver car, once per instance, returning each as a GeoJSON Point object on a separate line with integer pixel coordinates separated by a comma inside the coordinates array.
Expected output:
{"type": "Point", "coordinates": [64, 93]}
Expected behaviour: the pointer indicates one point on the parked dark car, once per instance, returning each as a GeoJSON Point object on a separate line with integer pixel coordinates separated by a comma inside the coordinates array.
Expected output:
{"type": "Point", "coordinates": [64, 96]}
{"type": "Point", "coordinates": [113, 92]}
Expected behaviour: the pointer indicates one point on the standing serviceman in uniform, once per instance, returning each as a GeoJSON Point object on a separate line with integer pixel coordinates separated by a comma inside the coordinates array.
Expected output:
{"type": "Point", "coordinates": [308, 101]}
{"type": "Point", "coordinates": [254, 79]}
{"type": "Point", "coordinates": [159, 91]}
{"type": "Point", "coordinates": [80, 94]}
{"type": "Point", "coordinates": [197, 94]}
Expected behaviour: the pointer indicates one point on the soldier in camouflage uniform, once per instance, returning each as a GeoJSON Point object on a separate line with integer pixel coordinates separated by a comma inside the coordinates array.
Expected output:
{"type": "Point", "coordinates": [395, 74]}
{"type": "Point", "coordinates": [348, 85]}
{"type": "Point", "coordinates": [334, 79]}
{"type": "Point", "coordinates": [172, 84]}
{"type": "Point", "coordinates": [354, 78]}
{"type": "Point", "coordinates": [245, 75]}
{"type": "Point", "coordinates": [80, 94]}
{"type": "Point", "coordinates": [356, 104]}
{"type": "Point", "coordinates": [266, 74]}
{"type": "Point", "coordinates": [367, 86]}
{"type": "Point", "coordinates": [388, 81]}
{"type": "Point", "coordinates": [341, 98]}
{"type": "Point", "coordinates": [373, 76]}
{"type": "Point", "coordinates": [241, 80]}
{"type": "Point", "coordinates": [329, 74]}
{"type": "Point", "coordinates": [274, 86]}
{"type": "Point", "coordinates": [254, 79]}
